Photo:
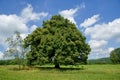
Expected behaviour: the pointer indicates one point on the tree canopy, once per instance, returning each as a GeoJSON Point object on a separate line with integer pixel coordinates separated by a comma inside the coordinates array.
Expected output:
{"type": "Point", "coordinates": [58, 42]}
{"type": "Point", "coordinates": [115, 56]}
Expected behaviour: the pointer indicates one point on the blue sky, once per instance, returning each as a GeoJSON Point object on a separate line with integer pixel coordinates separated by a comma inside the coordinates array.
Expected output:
{"type": "Point", "coordinates": [98, 20]}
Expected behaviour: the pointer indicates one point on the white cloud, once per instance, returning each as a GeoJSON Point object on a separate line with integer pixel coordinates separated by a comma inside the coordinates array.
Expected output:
{"type": "Point", "coordinates": [9, 24]}
{"type": "Point", "coordinates": [111, 49]}
{"type": "Point", "coordinates": [98, 50]}
{"type": "Point", "coordinates": [27, 14]}
{"type": "Point", "coordinates": [90, 21]}
{"type": "Point", "coordinates": [12, 22]}
{"type": "Point", "coordinates": [70, 13]}
{"type": "Point", "coordinates": [101, 34]}
{"type": "Point", "coordinates": [24, 35]}
{"type": "Point", "coordinates": [105, 31]}
{"type": "Point", "coordinates": [33, 28]}
{"type": "Point", "coordinates": [1, 55]}
{"type": "Point", "coordinates": [99, 53]}
{"type": "Point", "coordinates": [97, 44]}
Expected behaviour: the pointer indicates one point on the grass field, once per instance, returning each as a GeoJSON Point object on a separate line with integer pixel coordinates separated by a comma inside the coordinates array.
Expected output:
{"type": "Point", "coordinates": [86, 72]}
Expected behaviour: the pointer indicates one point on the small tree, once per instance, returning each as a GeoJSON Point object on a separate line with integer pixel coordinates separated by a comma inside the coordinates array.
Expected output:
{"type": "Point", "coordinates": [58, 42]}
{"type": "Point", "coordinates": [15, 48]}
{"type": "Point", "coordinates": [115, 56]}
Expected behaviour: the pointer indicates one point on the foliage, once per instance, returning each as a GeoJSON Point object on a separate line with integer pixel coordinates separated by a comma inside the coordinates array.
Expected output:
{"type": "Point", "coordinates": [9, 62]}
{"type": "Point", "coordinates": [58, 42]}
{"type": "Point", "coordinates": [15, 48]}
{"type": "Point", "coordinates": [115, 56]}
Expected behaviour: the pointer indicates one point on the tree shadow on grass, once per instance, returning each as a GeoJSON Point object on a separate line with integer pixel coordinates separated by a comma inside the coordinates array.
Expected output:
{"type": "Point", "coordinates": [47, 68]}
{"type": "Point", "coordinates": [61, 69]}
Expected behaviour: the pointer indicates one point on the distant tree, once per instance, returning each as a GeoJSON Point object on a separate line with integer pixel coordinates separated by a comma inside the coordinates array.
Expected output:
{"type": "Point", "coordinates": [115, 56]}
{"type": "Point", "coordinates": [58, 42]}
{"type": "Point", "coordinates": [15, 48]}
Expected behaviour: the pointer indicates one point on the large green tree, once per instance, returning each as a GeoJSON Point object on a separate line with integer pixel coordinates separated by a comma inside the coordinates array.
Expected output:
{"type": "Point", "coordinates": [58, 42]}
{"type": "Point", "coordinates": [115, 56]}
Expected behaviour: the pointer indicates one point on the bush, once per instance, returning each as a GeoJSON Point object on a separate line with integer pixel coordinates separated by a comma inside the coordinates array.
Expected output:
{"type": "Point", "coordinates": [115, 56]}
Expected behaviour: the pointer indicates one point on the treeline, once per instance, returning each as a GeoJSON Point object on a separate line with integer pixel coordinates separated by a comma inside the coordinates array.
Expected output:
{"type": "Point", "coordinates": [8, 62]}
{"type": "Point", "coordinates": [94, 61]}
{"type": "Point", "coordinates": [100, 61]}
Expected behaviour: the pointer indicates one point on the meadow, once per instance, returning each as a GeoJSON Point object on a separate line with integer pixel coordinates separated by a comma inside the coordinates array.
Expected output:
{"type": "Point", "coordinates": [82, 72]}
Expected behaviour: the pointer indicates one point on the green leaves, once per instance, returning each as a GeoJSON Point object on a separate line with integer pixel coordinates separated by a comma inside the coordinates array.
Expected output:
{"type": "Point", "coordinates": [115, 56]}
{"type": "Point", "coordinates": [58, 42]}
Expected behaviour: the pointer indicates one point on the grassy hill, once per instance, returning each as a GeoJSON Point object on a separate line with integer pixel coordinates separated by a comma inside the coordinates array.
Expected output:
{"type": "Point", "coordinates": [99, 61]}
{"type": "Point", "coordinates": [90, 72]}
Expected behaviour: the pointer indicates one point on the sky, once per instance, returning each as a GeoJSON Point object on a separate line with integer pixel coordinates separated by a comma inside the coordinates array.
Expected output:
{"type": "Point", "coordinates": [98, 20]}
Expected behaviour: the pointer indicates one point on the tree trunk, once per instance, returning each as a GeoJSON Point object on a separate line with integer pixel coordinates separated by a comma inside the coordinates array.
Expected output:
{"type": "Point", "coordinates": [57, 66]}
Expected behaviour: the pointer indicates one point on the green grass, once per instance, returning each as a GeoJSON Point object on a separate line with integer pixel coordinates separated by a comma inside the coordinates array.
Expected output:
{"type": "Point", "coordinates": [88, 72]}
